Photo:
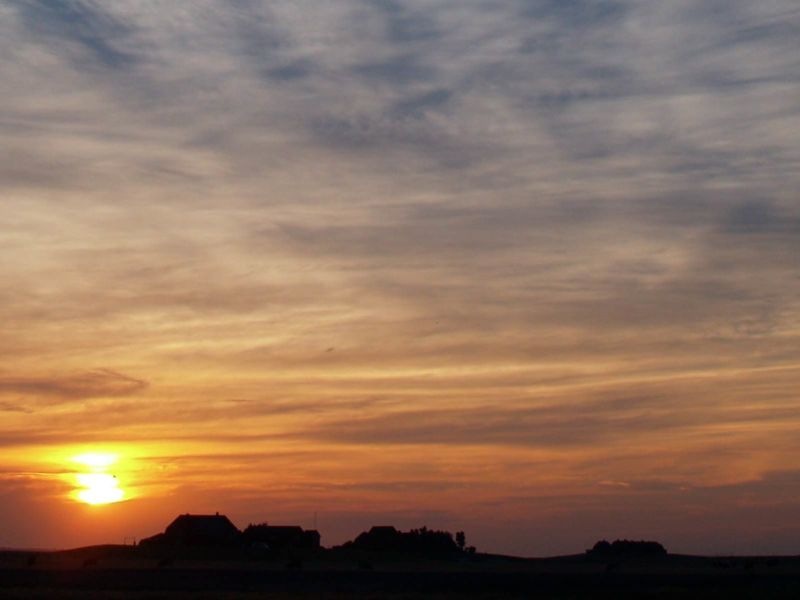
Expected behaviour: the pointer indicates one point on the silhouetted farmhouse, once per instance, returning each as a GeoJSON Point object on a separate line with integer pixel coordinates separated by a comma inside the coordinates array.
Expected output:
{"type": "Point", "coordinates": [197, 530]}
{"type": "Point", "coordinates": [278, 537]}
{"type": "Point", "coordinates": [218, 531]}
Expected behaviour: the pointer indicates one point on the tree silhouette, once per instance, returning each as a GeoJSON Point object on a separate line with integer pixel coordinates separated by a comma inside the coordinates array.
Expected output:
{"type": "Point", "coordinates": [461, 540]}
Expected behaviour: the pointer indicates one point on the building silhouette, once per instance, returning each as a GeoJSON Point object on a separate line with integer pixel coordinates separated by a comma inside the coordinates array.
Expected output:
{"type": "Point", "coordinates": [218, 531]}
{"type": "Point", "coordinates": [197, 530]}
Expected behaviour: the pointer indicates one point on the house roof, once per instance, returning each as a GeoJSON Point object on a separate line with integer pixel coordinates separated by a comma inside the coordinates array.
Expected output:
{"type": "Point", "coordinates": [206, 525]}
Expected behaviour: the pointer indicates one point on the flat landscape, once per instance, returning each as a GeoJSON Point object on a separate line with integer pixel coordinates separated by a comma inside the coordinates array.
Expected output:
{"type": "Point", "coordinates": [128, 572]}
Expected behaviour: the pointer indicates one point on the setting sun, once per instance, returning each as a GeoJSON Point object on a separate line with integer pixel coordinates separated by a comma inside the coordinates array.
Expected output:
{"type": "Point", "coordinates": [99, 488]}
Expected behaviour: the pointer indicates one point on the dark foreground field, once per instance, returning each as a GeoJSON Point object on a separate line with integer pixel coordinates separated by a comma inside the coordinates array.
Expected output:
{"type": "Point", "coordinates": [117, 573]}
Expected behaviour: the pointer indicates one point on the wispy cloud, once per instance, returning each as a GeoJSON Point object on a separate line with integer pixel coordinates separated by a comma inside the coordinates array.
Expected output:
{"type": "Point", "coordinates": [81, 30]}
{"type": "Point", "coordinates": [65, 388]}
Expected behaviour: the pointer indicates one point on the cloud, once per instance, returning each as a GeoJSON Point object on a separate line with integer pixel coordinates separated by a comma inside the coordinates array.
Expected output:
{"type": "Point", "coordinates": [80, 28]}
{"type": "Point", "coordinates": [68, 388]}
{"type": "Point", "coordinates": [404, 24]}
{"type": "Point", "coordinates": [12, 407]}
{"type": "Point", "coordinates": [626, 420]}
{"type": "Point", "coordinates": [761, 217]}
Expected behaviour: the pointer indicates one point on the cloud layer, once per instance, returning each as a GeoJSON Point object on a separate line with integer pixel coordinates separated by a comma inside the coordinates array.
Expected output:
{"type": "Point", "coordinates": [519, 247]}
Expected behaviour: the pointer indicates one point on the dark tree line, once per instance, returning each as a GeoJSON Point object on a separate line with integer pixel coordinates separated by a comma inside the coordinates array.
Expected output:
{"type": "Point", "coordinates": [422, 541]}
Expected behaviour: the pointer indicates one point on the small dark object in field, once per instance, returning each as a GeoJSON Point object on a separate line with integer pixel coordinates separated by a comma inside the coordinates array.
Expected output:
{"type": "Point", "coordinates": [294, 564]}
{"type": "Point", "coordinates": [365, 565]}
{"type": "Point", "coordinates": [32, 560]}
{"type": "Point", "coordinates": [165, 562]}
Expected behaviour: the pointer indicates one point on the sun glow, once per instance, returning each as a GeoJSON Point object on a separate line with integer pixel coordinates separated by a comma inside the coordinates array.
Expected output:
{"type": "Point", "coordinates": [97, 486]}
{"type": "Point", "coordinates": [96, 460]}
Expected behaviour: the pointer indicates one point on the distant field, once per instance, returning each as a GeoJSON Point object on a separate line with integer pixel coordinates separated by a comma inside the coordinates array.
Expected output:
{"type": "Point", "coordinates": [117, 572]}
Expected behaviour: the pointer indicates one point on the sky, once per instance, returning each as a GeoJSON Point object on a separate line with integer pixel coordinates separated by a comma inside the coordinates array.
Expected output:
{"type": "Point", "coordinates": [524, 268]}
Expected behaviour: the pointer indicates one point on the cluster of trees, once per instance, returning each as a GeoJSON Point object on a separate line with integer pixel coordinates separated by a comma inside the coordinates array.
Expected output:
{"type": "Point", "coordinates": [423, 541]}
{"type": "Point", "coordinates": [273, 537]}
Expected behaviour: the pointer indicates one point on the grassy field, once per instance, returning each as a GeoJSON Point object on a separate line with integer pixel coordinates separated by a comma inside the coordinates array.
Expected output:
{"type": "Point", "coordinates": [117, 572]}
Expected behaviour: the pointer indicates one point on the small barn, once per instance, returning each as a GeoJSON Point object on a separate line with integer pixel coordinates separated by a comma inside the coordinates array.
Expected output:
{"type": "Point", "coordinates": [198, 530]}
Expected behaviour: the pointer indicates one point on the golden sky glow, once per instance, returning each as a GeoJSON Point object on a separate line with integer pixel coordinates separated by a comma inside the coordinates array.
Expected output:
{"type": "Point", "coordinates": [524, 269]}
{"type": "Point", "coordinates": [97, 461]}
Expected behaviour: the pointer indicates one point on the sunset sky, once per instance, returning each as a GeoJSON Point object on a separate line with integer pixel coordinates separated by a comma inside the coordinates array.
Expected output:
{"type": "Point", "coordinates": [526, 268]}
